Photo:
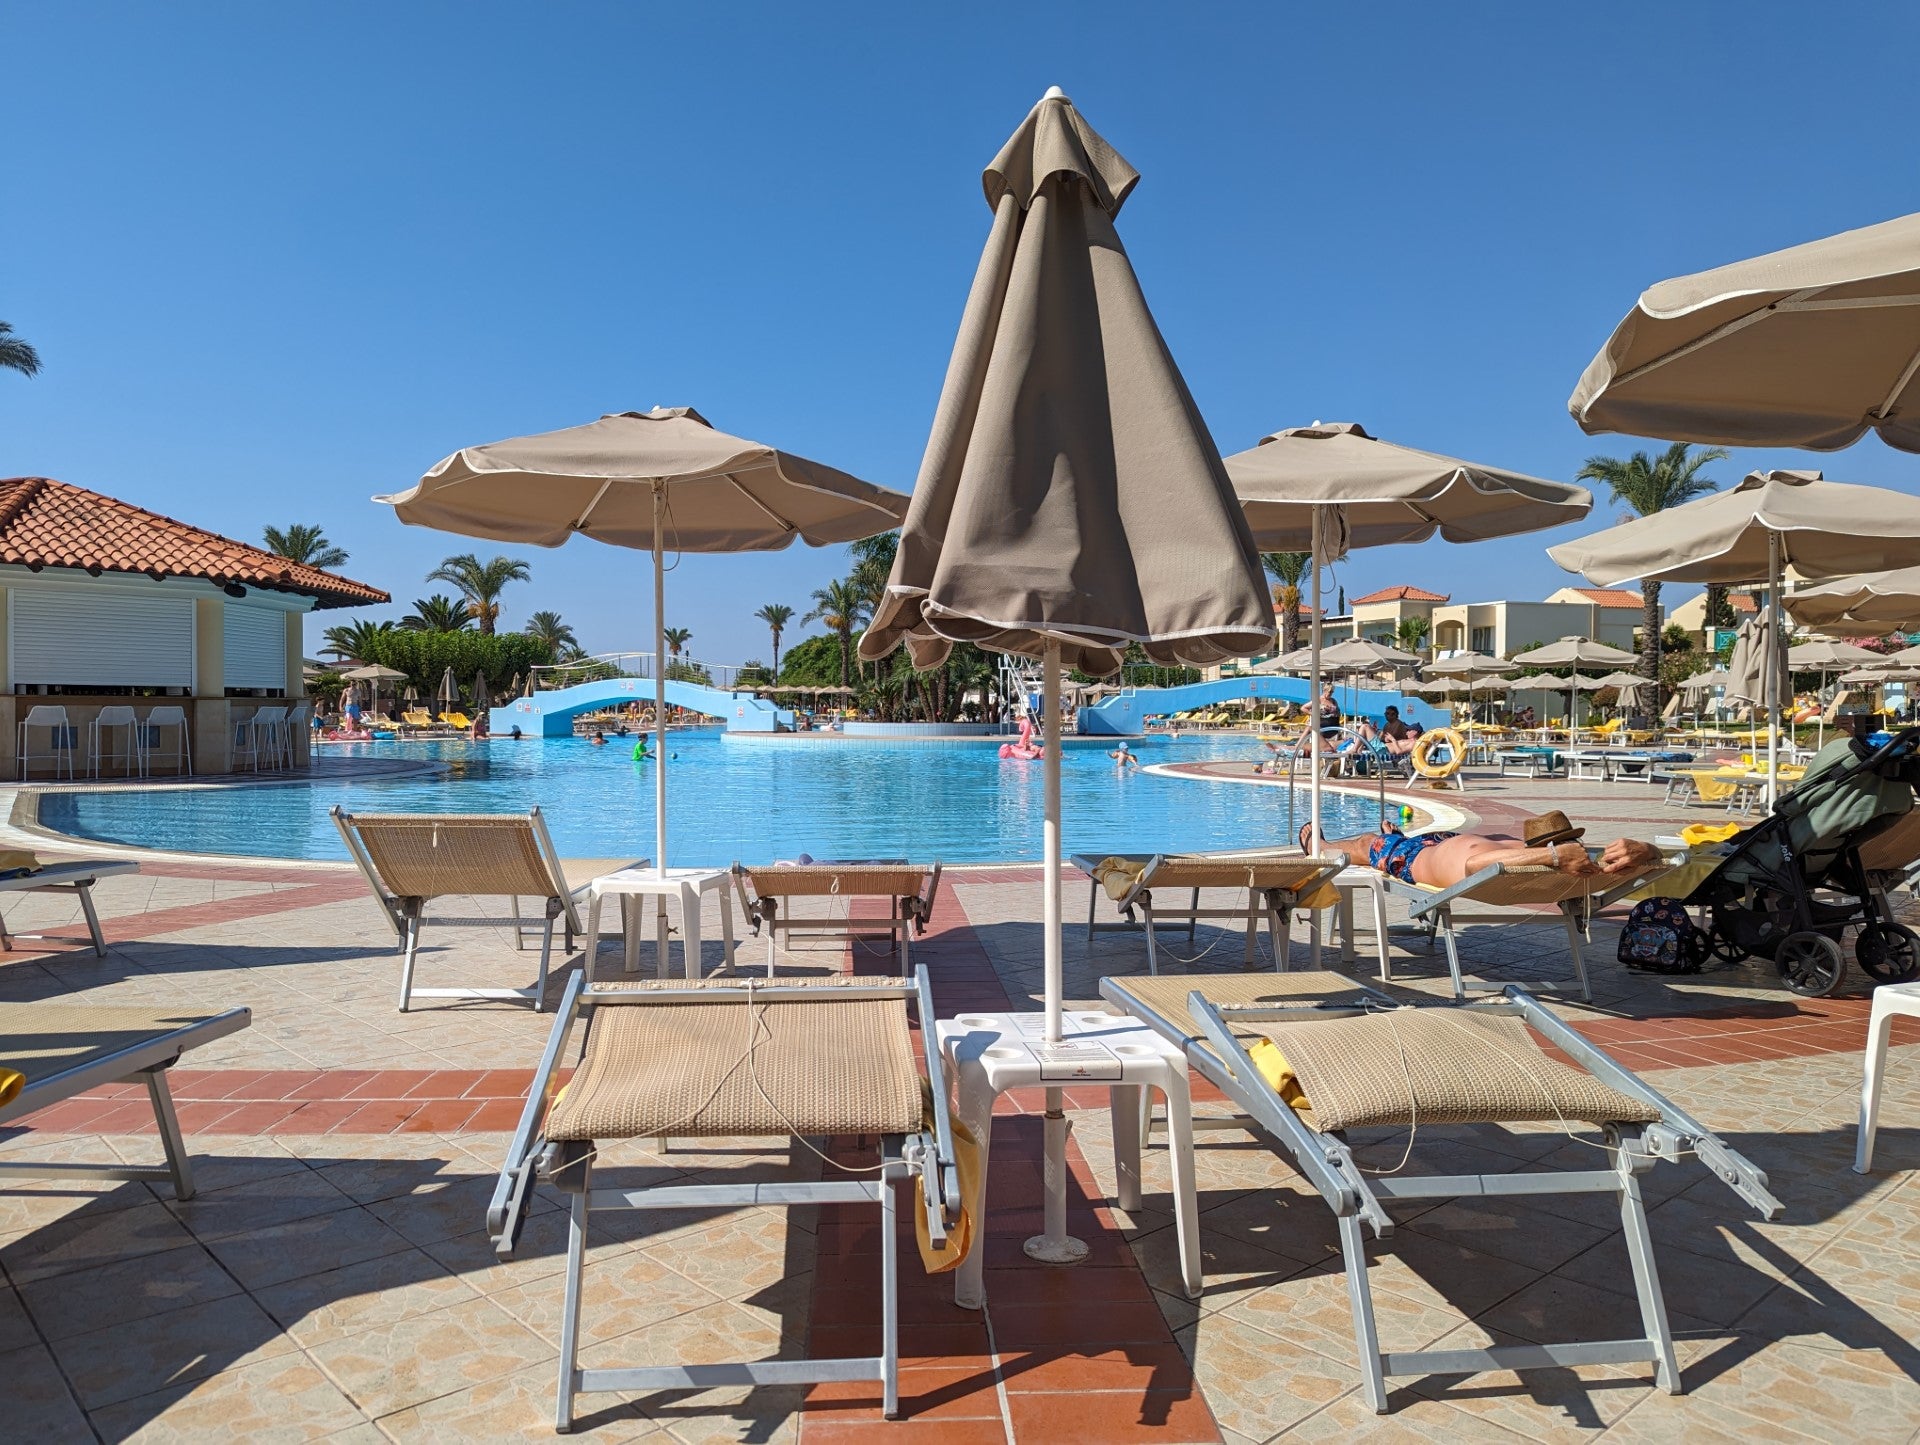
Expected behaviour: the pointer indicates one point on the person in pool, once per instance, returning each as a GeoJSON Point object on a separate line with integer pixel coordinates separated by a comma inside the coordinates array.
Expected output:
{"type": "Point", "coordinates": [1123, 758]}
{"type": "Point", "coordinates": [599, 739]}
{"type": "Point", "coordinates": [1440, 860]}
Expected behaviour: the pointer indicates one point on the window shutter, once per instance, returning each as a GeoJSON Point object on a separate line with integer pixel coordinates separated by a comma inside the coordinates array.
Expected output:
{"type": "Point", "coordinates": [74, 638]}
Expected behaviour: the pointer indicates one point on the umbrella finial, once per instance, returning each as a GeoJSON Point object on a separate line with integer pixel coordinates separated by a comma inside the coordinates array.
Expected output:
{"type": "Point", "coordinates": [1054, 92]}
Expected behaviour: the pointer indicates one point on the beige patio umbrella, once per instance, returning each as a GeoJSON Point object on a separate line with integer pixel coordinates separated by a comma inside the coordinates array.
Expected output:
{"type": "Point", "coordinates": [1812, 346]}
{"type": "Point", "coordinates": [1070, 501]}
{"type": "Point", "coordinates": [1325, 488]}
{"type": "Point", "coordinates": [1630, 686]}
{"type": "Point", "coordinates": [1471, 664]}
{"type": "Point", "coordinates": [373, 674]}
{"type": "Point", "coordinates": [1755, 531]}
{"type": "Point", "coordinates": [1859, 606]}
{"type": "Point", "coordinates": [659, 479]}
{"type": "Point", "coordinates": [1827, 657]}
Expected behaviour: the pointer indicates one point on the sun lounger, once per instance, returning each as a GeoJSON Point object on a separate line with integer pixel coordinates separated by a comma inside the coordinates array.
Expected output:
{"type": "Point", "coordinates": [418, 719]}
{"type": "Point", "coordinates": [1274, 885]}
{"type": "Point", "coordinates": [457, 720]}
{"type": "Point", "coordinates": [737, 1060]}
{"type": "Point", "coordinates": [1358, 1061]}
{"type": "Point", "coordinates": [76, 877]}
{"type": "Point", "coordinates": [410, 859]}
{"type": "Point", "coordinates": [909, 890]}
{"type": "Point", "coordinates": [62, 1049]}
{"type": "Point", "coordinates": [1502, 886]}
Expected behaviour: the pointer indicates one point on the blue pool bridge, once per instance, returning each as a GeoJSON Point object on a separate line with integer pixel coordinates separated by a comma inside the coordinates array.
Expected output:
{"type": "Point", "coordinates": [1126, 712]}
{"type": "Point", "coordinates": [550, 714]}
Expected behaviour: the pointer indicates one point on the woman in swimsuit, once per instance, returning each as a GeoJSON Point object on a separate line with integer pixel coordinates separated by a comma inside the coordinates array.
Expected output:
{"type": "Point", "coordinates": [1440, 860]}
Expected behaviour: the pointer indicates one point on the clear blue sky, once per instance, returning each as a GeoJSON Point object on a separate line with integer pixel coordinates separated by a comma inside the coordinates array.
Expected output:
{"type": "Point", "coordinates": [278, 258]}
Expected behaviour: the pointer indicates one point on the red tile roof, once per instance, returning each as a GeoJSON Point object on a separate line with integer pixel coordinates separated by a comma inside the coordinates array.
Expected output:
{"type": "Point", "coordinates": [44, 523]}
{"type": "Point", "coordinates": [1743, 602]}
{"type": "Point", "coordinates": [1611, 596]}
{"type": "Point", "coordinates": [1401, 593]}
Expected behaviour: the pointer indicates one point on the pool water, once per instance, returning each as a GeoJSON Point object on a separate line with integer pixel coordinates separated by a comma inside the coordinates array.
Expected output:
{"type": "Point", "coordinates": [739, 799]}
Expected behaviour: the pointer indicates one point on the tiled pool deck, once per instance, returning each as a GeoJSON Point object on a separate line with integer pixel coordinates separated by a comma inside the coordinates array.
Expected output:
{"type": "Point", "coordinates": [332, 1276]}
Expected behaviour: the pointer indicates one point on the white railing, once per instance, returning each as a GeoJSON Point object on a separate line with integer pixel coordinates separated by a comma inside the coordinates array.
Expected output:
{"type": "Point", "coordinates": [633, 664]}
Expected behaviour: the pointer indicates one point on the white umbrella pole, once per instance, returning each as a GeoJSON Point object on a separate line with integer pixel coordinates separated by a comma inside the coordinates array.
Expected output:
{"type": "Point", "coordinates": [1774, 639]}
{"type": "Point", "coordinates": [1313, 694]}
{"type": "Point", "coordinates": [1055, 1246]}
{"type": "Point", "coordinates": [659, 687]}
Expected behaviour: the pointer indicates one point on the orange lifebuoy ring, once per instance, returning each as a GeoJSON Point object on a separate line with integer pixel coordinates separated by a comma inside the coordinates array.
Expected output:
{"type": "Point", "coordinates": [1422, 754]}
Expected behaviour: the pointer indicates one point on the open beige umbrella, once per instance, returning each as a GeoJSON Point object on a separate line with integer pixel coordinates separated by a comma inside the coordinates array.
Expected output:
{"type": "Point", "coordinates": [1070, 500]}
{"type": "Point", "coordinates": [659, 479]}
{"type": "Point", "coordinates": [1630, 686]}
{"type": "Point", "coordinates": [1827, 657]}
{"type": "Point", "coordinates": [1325, 488]}
{"type": "Point", "coordinates": [373, 674]}
{"type": "Point", "coordinates": [1859, 606]}
{"type": "Point", "coordinates": [1471, 664]}
{"type": "Point", "coordinates": [1812, 346]}
{"type": "Point", "coordinates": [1754, 532]}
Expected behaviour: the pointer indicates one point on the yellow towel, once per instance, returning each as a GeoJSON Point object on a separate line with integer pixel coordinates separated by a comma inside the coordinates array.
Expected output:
{"type": "Point", "coordinates": [1695, 834]}
{"type": "Point", "coordinates": [1714, 787]}
{"type": "Point", "coordinates": [11, 1083]}
{"type": "Point", "coordinates": [1117, 875]}
{"type": "Point", "coordinates": [959, 1242]}
{"type": "Point", "coordinates": [17, 860]}
{"type": "Point", "coordinates": [1275, 1069]}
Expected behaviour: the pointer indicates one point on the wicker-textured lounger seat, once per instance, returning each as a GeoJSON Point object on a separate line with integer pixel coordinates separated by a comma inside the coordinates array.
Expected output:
{"type": "Point", "coordinates": [1307, 1057]}
{"type": "Point", "coordinates": [732, 1058]}
{"type": "Point", "coordinates": [1502, 885]}
{"type": "Point", "coordinates": [63, 1049]}
{"type": "Point", "coordinates": [909, 890]}
{"type": "Point", "coordinates": [1273, 884]}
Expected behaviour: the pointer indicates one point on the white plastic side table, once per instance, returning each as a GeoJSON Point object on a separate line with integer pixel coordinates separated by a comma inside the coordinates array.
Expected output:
{"type": "Point", "coordinates": [1890, 1001]}
{"type": "Point", "coordinates": [684, 885]}
{"type": "Point", "coordinates": [991, 1053]}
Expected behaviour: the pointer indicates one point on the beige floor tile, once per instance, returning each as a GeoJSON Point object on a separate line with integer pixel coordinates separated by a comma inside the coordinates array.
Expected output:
{"type": "Point", "coordinates": [1411, 1418]}
{"type": "Point", "coordinates": [125, 1361]}
{"type": "Point", "coordinates": [312, 1245]}
{"type": "Point", "coordinates": [39, 1404]}
{"type": "Point", "coordinates": [282, 1399]}
{"type": "Point", "coordinates": [258, 1204]}
{"type": "Point", "coordinates": [125, 1290]}
{"type": "Point", "coordinates": [342, 1302]}
{"type": "Point", "coordinates": [1557, 1405]}
{"type": "Point", "coordinates": [91, 1237]}
{"type": "Point", "coordinates": [517, 1406]}
{"type": "Point", "coordinates": [1256, 1383]}
{"type": "Point", "coordinates": [391, 1366]}
{"type": "Point", "coordinates": [627, 1292]}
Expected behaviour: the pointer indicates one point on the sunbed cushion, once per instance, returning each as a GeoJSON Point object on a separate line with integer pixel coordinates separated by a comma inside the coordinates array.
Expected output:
{"type": "Point", "coordinates": [40, 1040]}
{"type": "Point", "coordinates": [736, 1067]}
{"type": "Point", "coordinates": [853, 880]}
{"type": "Point", "coordinates": [1415, 1066]}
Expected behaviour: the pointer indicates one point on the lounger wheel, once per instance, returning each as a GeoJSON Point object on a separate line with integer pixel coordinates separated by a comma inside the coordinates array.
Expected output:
{"type": "Point", "coordinates": [1810, 963]}
{"type": "Point", "coordinates": [1889, 952]}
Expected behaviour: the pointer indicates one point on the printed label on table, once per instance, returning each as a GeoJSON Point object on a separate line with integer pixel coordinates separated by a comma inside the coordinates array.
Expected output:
{"type": "Point", "coordinates": [1075, 1060]}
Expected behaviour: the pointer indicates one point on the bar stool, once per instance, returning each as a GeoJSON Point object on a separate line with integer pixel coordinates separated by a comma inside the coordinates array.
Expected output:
{"type": "Point", "coordinates": [1890, 1001]}
{"type": "Point", "coordinates": [159, 720]}
{"type": "Point", "coordinates": [269, 736]}
{"type": "Point", "coordinates": [63, 740]}
{"type": "Point", "coordinates": [298, 723]}
{"type": "Point", "coordinates": [245, 745]}
{"type": "Point", "coordinates": [101, 749]}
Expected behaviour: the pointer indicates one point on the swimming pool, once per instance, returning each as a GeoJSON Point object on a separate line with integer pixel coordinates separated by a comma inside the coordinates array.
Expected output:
{"type": "Point", "coordinates": [736, 799]}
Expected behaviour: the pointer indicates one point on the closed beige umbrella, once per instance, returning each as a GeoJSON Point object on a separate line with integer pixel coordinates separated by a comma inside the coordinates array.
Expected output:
{"type": "Point", "coordinates": [1070, 500]}
{"type": "Point", "coordinates": [659, 479]}
{"type": "Point", "coordinates": [1754, 532]}
{"type": "Point", "coordinates": [1328, 487]}
{"type": "Point", "coordinates": [1812, 346]}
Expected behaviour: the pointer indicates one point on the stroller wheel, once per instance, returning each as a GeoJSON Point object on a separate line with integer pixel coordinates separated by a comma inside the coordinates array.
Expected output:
{"type": "Point", "coordinates": [1724, 948]}
{"type": "Point", "coordinates": [1889, 952]}
{"type": "Point", "coordinates": [1810, 963]}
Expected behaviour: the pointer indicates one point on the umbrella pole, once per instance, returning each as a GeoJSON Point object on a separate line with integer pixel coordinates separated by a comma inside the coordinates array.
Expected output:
{"type": "Point", "coordinates": [1055, 1246]}
{"type": "Point", "coordinates": [1774, 639]}
{"type": "Point", "coordinates": [1314, 735]}
{"type": "Point", "coordinates": [659, 689]}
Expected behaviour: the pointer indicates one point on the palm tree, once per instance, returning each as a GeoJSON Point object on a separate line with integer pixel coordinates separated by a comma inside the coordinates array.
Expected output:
{"type": "Point", "coordinates": [557, 635]}
{"type": "Point", "coordinates": [438, 613]}
{"type": "Point", "coordinates": [872, 565]}
{"type": "Point", "coordinates": [304, 544]}
{"type": "Point", "coordinates": [677, 639]}
{"type": "Point", "coordinates": [17, 355]}
{"type": "Point", "coordinates": [843, 607]}
{"type": "Point", "coordinates": [1287, 569]}
{"type": "Point", "coordinates": [776, 615]}
{"type": "Point", "coordinates": [481, 583]}
{"type": "Point", "coordinates": [1412, 632]}
{"type": "Point", "coordinates": [355, 639]}
{"type": "Point", "coordinates": [1647, 485]}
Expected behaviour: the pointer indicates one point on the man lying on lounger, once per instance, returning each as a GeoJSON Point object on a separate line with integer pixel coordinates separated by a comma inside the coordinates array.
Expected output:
{"type": "Point", "coordinates": [1440, 860]}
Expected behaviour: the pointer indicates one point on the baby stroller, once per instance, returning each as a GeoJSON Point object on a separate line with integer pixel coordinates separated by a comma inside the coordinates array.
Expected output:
{"type": "Point", "coordinates": [1760, 899]}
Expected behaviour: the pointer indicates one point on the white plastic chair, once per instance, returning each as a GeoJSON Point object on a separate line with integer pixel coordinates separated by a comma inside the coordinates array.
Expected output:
{"type": "Point", "coordinates": [101, 749]}
{"type": "Point", "coordinates": [1890, 1001]}
{"type": "Point", "coordinates": [63, 740]}
{"type": "Point", "coordinates": [299, 721]}
{"type": "Point", "coordinates": [160, 720]}
{"type": "Point", "coordinates": [269, 736]}
{"type": "Point", "coordinates": [245, 746]}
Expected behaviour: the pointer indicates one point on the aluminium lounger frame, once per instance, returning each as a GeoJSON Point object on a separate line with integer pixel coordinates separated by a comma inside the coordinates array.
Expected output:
{"type": "Point", "coordinates": [76, 877]}
{"type": "Point", "coordinates": [1275, 902]}
{"type": "Point", "coordinates": [1356, 1196]}
{"type": "Point", "coordinates": [929, 1154]}
{"type": "Point", "coordinates": [147, 1061]}
{"type": "Point", "coordinates": [907, 913]}
{"type": "Point", "coordinates": [1432, 910]}
{"type": "Point", "coordinates": [406, 915]}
